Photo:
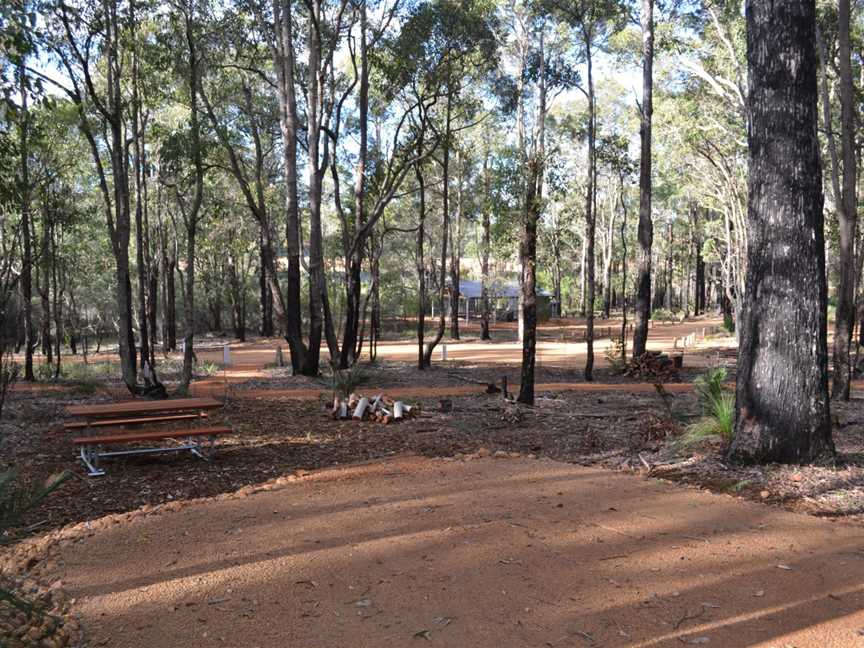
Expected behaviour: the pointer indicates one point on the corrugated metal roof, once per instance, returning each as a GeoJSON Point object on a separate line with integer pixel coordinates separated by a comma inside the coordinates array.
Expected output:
{"type": "Point", "coordinates": [473, 289]}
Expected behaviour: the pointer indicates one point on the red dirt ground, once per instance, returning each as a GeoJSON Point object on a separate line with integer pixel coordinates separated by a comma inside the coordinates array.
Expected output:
{"type": "Point", "coordinates": [489, 552]}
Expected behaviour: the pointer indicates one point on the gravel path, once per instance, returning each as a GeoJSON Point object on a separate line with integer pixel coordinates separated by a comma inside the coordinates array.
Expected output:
{"type": "Point", "coordinates": [484, 552]}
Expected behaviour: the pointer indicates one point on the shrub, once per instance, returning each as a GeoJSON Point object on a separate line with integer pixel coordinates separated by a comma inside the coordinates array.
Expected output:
{"type": "Point", "coordinates": [616, 355]}
{"type": "Point", "coordinates": [663, 315]}
{"type": "Point", "coordinates": [207, 369]}
{"type": "Point", "coordinates": [345, 381]}
{"type": "Point", "coordinates": [8, 375]}
{"type": "Point", "coordinates": [15, 500]}
{"type": "Point", "coordinates": [718, 410]}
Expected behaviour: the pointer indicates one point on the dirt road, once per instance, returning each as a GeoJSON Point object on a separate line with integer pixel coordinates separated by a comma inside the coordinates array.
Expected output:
{"type": "Point", "coordinates": [487, 552]}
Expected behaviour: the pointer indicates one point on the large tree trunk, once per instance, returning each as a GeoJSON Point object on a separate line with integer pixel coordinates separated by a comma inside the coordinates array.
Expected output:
{"type": "Point", "coordinates": [284, 64]}
{"type": "Point", "coordinates": [191, 218]}
{"type": "Point", "coordinates": [354, 251]}
{"type": "Point", "coordinates": [139, 170]}
{"type": "Point", "coordinates": [317, 285]}
{"type": "Point", "coordinates": [845, 319]}
{"type": "Point", "coordinates": [642, 306]}
{"type": "Point", "coordinates": [782, 407]}
{"type": "Point", "coordinates": [528, 248]}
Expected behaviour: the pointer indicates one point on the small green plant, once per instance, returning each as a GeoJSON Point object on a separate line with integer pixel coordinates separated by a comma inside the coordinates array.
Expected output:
{"type": "Point", "coordinates": [718, 410]}
{"type": "Point", "coordinates": [8, 374]}
{"type": "Point", "coordinates": [345, 381]}
{"type": "Point", "coordinates": [43, 371]}
{"type": "Point", "coordinates": [728, 323]}
{"type": "Point", "coordinates": [207, 369]}
{"type": "Point", "coordinates": [709, 387]}
{"type": "Point", "coordinates": [663, 315]}
{"type": "Point", "coordinates": [616, 355]}
{"type": "Point", "coordinates": [16, 499]}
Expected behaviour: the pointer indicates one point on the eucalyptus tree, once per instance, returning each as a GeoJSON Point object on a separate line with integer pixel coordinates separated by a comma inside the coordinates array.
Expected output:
{"type": "Point", "coordinates": [847, 209]}
{"type": "Point", "coordinates": [642, 304]}
{"type": "Point", "coordinates": [594, 23]}
{"type": "Point", "coordinates": [86, 39]}
{"type": "Point", "coordinates": [782, 404]}
{"type": "Point", "coordinates": [410, 79]}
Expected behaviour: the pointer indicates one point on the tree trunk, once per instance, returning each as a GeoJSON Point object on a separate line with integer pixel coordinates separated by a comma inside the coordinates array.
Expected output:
{"type": "Point", "coordinates": [284, 64]}
{"type": "Point", "coordinates": [590, 222]}
{"type": "Point", "coordinates": [528, 248]}
{"type": "Point", "coordinates": [845, 318]}
{"type": "Point", "coordinates": [191, 218]}
{"type": "Point", "coordinates": [420, 262]}
{"type": "Point", "coordinates": [455, 256]}
{"type": "Point", "coordinates": [782, 406]}
{"type": "Point", "coordinates": [642, 305]}
{"type": "Point", "coordinates": [44, 286]}
{"type": "Point", "coordinates": [485, 247]}
{"type": "Point", "coordinates": [667, 275]}
{"type": "Point", "coordinates": [26, 226]}
{"type": "Point", "coordinates": [445, 235]}
{"type": "Point", "coordinates": [266, 297]}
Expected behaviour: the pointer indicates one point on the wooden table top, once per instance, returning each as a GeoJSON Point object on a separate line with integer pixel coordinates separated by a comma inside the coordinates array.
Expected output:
{"type": "Point", "coordinates": [144, 407]}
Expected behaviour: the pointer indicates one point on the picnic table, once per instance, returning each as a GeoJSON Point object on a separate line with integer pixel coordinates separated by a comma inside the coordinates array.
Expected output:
{"type": "Point", "coordinates": [126, 414]}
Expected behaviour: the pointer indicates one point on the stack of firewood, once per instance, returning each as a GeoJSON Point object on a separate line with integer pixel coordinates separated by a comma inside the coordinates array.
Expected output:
{"type": "Point", "coordinates": [380, 409]}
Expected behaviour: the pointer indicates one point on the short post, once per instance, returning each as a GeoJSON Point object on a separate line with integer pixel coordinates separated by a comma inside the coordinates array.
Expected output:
{"type": "Point", "coordinates": [226, 355]}
{"type": "Point", "coordinates": [443, 351]}
{"type": "Point", "coordinates": [280, 362]}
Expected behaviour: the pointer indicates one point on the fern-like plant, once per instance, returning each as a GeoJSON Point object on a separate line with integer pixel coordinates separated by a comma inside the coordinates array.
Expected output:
{"type": "Point", "coordinates": [15, 500]}
{"type": "Point", "coordinates": [718, 410]}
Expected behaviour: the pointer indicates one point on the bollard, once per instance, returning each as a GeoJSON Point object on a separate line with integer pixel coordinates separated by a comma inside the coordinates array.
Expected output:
{"type": "Point", "coordinates": [226, 355]}
{"type": "Point", "coordinates": [443, 351]}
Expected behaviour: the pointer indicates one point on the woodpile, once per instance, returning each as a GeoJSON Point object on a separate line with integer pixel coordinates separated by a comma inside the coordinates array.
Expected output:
{"type": "Point", "coordinates": [380, 409]}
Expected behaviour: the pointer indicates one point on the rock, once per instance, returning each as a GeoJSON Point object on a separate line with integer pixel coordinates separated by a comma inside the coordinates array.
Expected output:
{"type": "Point", "coordinates": [764, 494]}
{"type": "Point", "coordinates": [483, 452]}
{"type": "Point", "coordinates": [501, 454]}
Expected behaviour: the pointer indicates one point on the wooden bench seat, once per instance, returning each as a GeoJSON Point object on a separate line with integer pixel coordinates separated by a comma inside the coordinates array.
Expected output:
{"type": "Point", "coordinates": [150, 435]}
{"type": "Point", "coordinates": [144, 420]}
{"type": "Point", "coordinates": [90, 447]}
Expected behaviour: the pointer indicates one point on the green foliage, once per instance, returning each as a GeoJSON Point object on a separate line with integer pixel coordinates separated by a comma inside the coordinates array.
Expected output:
{"type": "Point", "coordinates": [718, 410]}
{"type": "Point", "coordinates": [345, 381]}
{"type": "Point", "coordinates": [207, 369]}
{"type": "Point", "coordinates": [709, 387]}
{"type": "Point", "coordinates": [718, 424]}
{"type": "Point", "coordinates": [16, 499]}
{"type": "Point", "coordinates": [8, 375]}
{"type": "Point", "coordinates": [616, 355]}
{"type": "Point", "coordinates": [728, 323]}
{"type": "Point", "coordinates": [663, 315]}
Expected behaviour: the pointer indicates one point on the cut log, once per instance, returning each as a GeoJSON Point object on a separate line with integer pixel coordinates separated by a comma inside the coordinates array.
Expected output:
{"type": "Point", "coordinates": [361, 408]}
{"type": "Point", "coordinates": [343, 410]}
{"type": "Point", "coordinates": [376, 402]}
{"type": "Point", "coordinates": [398, 410]}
